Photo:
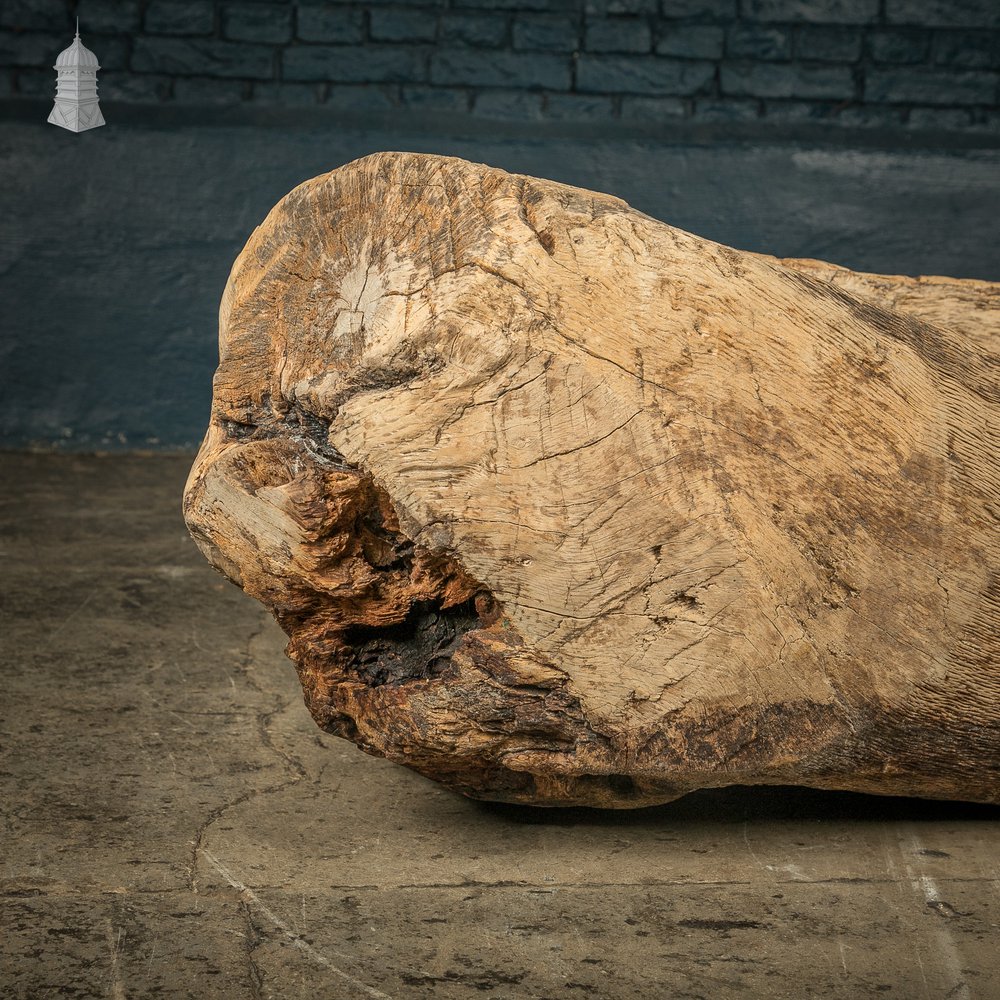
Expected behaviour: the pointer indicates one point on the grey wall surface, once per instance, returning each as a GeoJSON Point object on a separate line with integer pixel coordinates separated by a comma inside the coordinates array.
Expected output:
{"type": "Point", "coordinates": [116, 243]}
{"type": "Point", "coordinates": [877, 63]}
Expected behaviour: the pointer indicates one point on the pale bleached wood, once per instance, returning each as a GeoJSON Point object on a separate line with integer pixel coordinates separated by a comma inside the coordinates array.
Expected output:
{"type": "Point", "coordinates": [560, 504]}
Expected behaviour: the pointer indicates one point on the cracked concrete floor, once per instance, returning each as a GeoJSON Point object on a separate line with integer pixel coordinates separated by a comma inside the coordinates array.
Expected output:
{"type": "Point", "coordinates": [176, 826]}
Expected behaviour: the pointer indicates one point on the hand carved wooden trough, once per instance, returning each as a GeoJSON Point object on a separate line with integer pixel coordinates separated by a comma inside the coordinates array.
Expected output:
{"type": "Point", "coordinates": [558, 504]}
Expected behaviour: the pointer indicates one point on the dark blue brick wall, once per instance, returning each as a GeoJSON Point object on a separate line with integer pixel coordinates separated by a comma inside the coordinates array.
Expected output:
{"type": "Point", "coordinates": [898, 63]}
{"type": "Point", "coordinates": [711, 115]}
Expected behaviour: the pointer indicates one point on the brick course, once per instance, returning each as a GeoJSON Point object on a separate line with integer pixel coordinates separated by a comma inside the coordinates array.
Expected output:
{"type": "Point", "coordinates": [618, 35]}
{"type": "Point", "coordinates": [353, 63]}
{"type": "Point", "coordinates": [773, 80]}
{"type": "Point", "coordinates": [202, 57]}
{"type": "Point", "coordinates": [401, 26]}
{"type": "Point", "coordinates": [488, 30]}
{"type": "Point", "coordinates": [692, 41]}
{"type": "Point", "coordinates": [500, 69]}
{"type": "Point", "coordinates": [179, 17]}
{"type": "Point", "coordinates": [326, 24]}
{"type": "Point", "coordinates": [928, 86]}
{"type": "Point", "coordinates": [944, 13]}
{"type": "Point", "coordinates": [816, 11]}
{"type": "Point", "coordinates": [828, 43]}
{"type": "Point", "coordinates": [110, 16]}
{"type": "Point", "coordinates": [257, 22]}
{"type": "Point", "coordinates": [642, 75]}
{"type": "Point", "coordinates": [52, 15]}
{"type": "Point", "coordinates": [756, 41]}
{"type": "Point", "coordinates": [923, 64]}
{"type": "Point", "coordinates": [545, 33]}
{"type": "Point", "coordinates": [895, 46]}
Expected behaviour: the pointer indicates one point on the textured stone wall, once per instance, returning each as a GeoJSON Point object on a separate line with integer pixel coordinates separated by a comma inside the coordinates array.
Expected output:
{"type": "Point", "coordinates": [923, 64]}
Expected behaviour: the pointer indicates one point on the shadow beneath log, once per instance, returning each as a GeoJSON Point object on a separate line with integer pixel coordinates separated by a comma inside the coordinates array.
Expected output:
{"type": "Point", "coordinates": [754, 804]}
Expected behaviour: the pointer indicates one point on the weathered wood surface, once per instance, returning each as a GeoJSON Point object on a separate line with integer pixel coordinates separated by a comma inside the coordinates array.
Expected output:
{"type": "Point", "coordinates": [559, 504]}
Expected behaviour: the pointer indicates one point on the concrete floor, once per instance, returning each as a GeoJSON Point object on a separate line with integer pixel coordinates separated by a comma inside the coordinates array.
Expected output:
{"type": "Point", "coordinates": [175, 825]}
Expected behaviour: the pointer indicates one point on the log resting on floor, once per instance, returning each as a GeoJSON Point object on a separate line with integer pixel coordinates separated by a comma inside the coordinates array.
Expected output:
{"type": "Point", "coordinates": [558, 504]}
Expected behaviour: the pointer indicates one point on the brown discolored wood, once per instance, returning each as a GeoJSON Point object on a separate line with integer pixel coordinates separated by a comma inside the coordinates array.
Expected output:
{"type": "Point", "coordinates": [559, 504]}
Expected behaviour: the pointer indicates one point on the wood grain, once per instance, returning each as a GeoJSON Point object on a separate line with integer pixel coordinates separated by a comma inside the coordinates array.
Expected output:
{"type": "Point", "coordinates": [559, 504]}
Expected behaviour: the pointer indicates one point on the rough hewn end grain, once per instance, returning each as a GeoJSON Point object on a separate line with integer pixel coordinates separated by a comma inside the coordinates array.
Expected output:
{"type": "Point", "coordinates": [558, 504]}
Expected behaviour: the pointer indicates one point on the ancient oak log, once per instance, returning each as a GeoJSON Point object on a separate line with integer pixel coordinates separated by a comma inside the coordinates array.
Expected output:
{"type": "Point", "coordinates": [558, 504]}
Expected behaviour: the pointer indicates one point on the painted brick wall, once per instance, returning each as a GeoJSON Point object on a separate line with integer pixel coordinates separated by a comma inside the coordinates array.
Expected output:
{"type": "Point", "coordinates": [926, 64]}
